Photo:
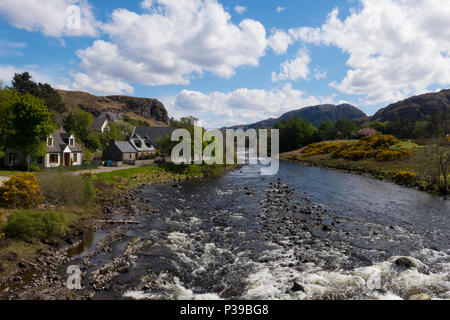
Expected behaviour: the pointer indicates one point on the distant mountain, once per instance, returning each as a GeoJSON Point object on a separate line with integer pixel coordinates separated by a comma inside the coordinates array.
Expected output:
{"type": "Point", "coordinates": [417, 107]}
{"type": "Point", "coordinates": [147, 110]}
{"type": "Point", "coordinates": [315, 115]}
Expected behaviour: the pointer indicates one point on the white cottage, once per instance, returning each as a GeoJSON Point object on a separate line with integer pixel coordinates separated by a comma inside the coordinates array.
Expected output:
{"type": "Point", "coordinates": [61, 150]}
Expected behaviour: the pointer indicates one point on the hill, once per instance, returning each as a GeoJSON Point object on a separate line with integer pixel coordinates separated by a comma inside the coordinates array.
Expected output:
{"type": "Point", "coordinates": [147, 110]}
{"type": "Point", "coordinates": [416, 108]}
{"type": "Point", "coordinates": [314, 114]}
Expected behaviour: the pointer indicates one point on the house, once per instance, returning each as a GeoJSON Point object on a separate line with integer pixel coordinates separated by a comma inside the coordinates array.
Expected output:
{"type": "Point", "coordinates": [120, 151]}
{"type": "Point", "coordinates": [151, 135]}
{"type": "Point", "coordinates": [143, 150]}
{"type": "Point", "coordinates": [61, 150]}
{"type": "Point", "coordinates": [100, 124]}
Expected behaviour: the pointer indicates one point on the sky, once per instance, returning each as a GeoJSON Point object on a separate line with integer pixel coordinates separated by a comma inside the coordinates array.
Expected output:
{"type": "Point", "coordinates": [231, 62]}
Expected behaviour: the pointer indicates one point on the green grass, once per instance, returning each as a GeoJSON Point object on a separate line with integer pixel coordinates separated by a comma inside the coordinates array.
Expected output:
{"type": "Point", "coordinates": [141, 175]}
{"type": "Point", "coordinates": [405, 145]}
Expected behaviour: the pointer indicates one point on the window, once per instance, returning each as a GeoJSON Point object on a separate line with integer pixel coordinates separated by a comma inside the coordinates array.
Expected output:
{"type": "Point", "coordinates": [71, 142]}
{"type": "Point", "coordinates": [49, 141]}
{"type": "Point", "coordinates": [53, 158]}
{"type": "Point", "coordinates": [75, 157]}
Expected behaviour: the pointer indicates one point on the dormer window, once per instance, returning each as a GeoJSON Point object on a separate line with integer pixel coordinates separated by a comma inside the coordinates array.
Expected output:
{"type": "Point", "coordinates": [50, 141]}
{"type": "Point", "coordinates": [71, 142]}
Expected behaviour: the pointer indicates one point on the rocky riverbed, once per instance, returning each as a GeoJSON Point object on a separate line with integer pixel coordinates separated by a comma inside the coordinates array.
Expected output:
{"type": "Point", "coordinates": [249, 237]}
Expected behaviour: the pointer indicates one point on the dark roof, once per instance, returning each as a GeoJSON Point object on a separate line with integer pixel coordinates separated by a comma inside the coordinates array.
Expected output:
{"type": "Point", "coordinates": [144, 147]}
{"type": "Point", "coordinates": [125, 147]}
{"type": "Point", "coordinates": [152, 133]}
{"type": "Point", "coordinates": [97, 123]}
{"type": "Point", "coordinates": [60, 142]}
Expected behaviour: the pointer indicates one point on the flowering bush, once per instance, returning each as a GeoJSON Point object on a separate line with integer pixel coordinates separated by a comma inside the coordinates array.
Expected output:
{"type": "Point", "coordinates": [322, 148]}
{"type": "Point", "coordinates": [21, 191]}
{"type": "Point", "coordinates": [390, 155]}
{"type": "Point", "coordinates": [404, 176]}
{"type": "Point", "coordinates": [379, 141]}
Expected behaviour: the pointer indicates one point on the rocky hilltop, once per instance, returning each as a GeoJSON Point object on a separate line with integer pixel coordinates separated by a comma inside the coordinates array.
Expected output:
{"type": "Point", "coordinates": [148, 110]}
{"type": "Point", "coordinates": [314, 114]}
{"type": "Point", "coordinates": [417, 107]}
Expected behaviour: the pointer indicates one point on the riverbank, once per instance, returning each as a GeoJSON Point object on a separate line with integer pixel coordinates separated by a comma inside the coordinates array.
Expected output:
{"type": "Point", "coordinates": [413, 170]}
{"type": "Point", "coordinates": [31, 269]}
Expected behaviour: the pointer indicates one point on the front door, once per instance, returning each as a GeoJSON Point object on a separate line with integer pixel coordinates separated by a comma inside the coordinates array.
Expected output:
{"type": "Point", "coordinates": [66, 159]}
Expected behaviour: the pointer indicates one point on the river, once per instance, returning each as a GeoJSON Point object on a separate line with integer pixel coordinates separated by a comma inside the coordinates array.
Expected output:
{"type": "Point", "coordinates": [306, 233]}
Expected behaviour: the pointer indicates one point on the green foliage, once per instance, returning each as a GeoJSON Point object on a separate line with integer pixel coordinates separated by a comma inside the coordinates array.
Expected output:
{"type": "Point", "coordinates": [30, 125]}
{"type": "Point", "coordinates": [295, 133]}
{"type": "Point", "coordinates": [79, 123]}
{"type": "Point", "coordinates": [66, 188]}
{"type": "Point", "coordinates": [8, 98]}
{"type": "Point", "coordinates": [92, 142]}
{"type": "Point", "coordinates": [326, 130]}
{"type": "Point", "coordinates": [346, 129]}
{"type": "Point", "coordinates": [21, 191]}
{"type": "Point", "coordinates": [30, 225]}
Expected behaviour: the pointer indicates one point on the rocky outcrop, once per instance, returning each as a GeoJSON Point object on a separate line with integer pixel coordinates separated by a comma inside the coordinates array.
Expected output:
{"type": "Point", "coordinates": [145, 107]}
{"type": "Point", "coordinates": [416, 108]}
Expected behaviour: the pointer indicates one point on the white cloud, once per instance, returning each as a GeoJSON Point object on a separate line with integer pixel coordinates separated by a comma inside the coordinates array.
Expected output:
{"type": "Point", "coordinates": [240, 106]}
{"type": "Point", "coordinates": [295, 69]}
{"type": "Point", "coordinates": [146, 4]}
{"type": "Point", "coordinates": [100, 85]}
{"type": "Point", "coordinates": [280, 9]}
{"type": "Point", "coordinates": [396, 48]}
{"type": "Point", "coordinates": [173, 43]}
{"type": "Point", "coordinates": [279, 41]}
{"type": "Point", "coordinates": [240, 9]}
{"type": "Point", "coordinates": [319, 74]}
{"type": "Point", "coordinates": [51, 17]}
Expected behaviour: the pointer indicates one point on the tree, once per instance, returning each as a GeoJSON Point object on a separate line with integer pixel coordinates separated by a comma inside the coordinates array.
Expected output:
{"type": "Point", "coordinates": [23, 84]}
{"type": "Point", "coordinates": [346, 129]}
{"type": "Point", "coordinates": [79, 124]}
{"type": "Point", "coordinates": [8, 97]}
{"type": "Point", "coordinates": [326, 131]}
{"type": "Point", "coordinates": [31, 124]}
{"type": "Point", "coordinates": [295, 133]}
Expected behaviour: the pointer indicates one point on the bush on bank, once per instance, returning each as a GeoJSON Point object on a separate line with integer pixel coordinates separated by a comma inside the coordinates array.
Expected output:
{"type": "Point", "coordinates": [29, 225]}
{"type": "Point", "coordinates": [66, 188]}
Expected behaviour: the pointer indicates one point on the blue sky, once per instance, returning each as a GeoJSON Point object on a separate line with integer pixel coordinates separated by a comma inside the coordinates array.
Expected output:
{"type": "Point", "coordinates": [232, 61]}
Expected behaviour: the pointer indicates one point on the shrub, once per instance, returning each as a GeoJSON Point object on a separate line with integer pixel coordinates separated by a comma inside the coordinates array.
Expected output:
{"type": "Point", "coordinates": [404, 176]}
{"type": "Point", "coordinates": [29, 225]}
{"type": "Point", "coordinates": [390, 155]}
{"type": "Point", "coordinates": [21, 191]}
{"type": "Point", "coordinates": [379, 141]}
{"type": "Point", "coordinates": [323, 148]}
{"type": "Point", "coordinates": [65, 188]}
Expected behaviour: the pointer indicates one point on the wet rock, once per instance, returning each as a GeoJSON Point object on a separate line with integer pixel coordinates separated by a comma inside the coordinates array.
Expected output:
{"type": "Point", "coordinates": [2, 268]}
{"type": "Point", "coordinates": [405, 262]}
{"type": "Point", "coordinates": [420, 296]}
{"type": "Point", "coordinates": [297, 287]}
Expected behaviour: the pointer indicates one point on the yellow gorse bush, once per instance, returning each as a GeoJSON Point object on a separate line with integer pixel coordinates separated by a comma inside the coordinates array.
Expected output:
{"type": "Point", "coordinates": [21, 191]}
{"type": "Point", "coordinates": [391, 155]}
{"type": "Point", "coordinates": [404, 176]}
{"type": "Point", "coordinates": [367, 147]}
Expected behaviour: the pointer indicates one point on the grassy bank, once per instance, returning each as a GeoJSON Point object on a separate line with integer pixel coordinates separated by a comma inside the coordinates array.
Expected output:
{"type": "Point", "coordinates": [409, 166]}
